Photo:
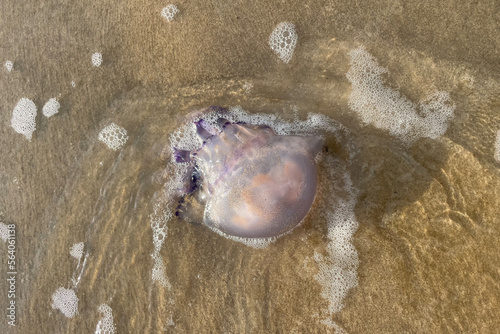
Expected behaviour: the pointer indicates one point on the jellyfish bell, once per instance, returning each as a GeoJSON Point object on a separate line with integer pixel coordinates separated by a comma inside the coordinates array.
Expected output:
{"type": "Point", "coordinates": [248, 181]}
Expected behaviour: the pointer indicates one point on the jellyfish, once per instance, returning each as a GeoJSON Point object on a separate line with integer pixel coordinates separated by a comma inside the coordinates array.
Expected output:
{"type": "Point", "coordinates": [246, 180]}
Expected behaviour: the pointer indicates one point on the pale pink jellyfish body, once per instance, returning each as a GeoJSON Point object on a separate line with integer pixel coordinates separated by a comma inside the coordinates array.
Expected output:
{"type": "Point", "coordinates": [253, 183]}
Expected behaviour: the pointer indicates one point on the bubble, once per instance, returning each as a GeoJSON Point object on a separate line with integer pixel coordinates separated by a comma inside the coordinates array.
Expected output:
{"type": "Point", "coordinates": [51, 107]}
{"type": "Point", "coordinates": [77, 250]}
{"type": "Point", "coordinates": [96, 59]}
{"type": "Point", "coordinates": [65, 300]}
{"type": "Point", "coordinates": [106, 324]}
{"type": "Point", "coordinates": [169, 12]}
{"type": "Point", "coordinates": [23, 117]}
{"type": "Point", "coordinates": [4, 232]}
{"type": "Point", "coordinates": [113, 136]}
{"type": "Point", "coordinates": [9, 65]}
{"type": "Point", "coordinates": [283, 40]}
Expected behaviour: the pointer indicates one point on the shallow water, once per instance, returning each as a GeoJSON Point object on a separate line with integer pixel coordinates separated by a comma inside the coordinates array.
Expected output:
{"type": "Point", "coordinates": [428, 215]}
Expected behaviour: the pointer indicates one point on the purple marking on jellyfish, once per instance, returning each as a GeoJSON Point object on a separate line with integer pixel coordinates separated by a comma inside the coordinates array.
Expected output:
{"type": "Point", "coordinates": [201, 131]}
{"type": "Point", "coordinates": [182, 155]}
{"type": "Point", "coordinates": [251, 182]}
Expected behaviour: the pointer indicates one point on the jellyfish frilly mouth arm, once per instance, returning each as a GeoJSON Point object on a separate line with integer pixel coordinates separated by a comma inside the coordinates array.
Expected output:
{"type": "Point", "coordinates": [248, 181]}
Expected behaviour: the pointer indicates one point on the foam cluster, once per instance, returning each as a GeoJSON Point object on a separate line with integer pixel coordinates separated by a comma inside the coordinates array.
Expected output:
{"type": "Point", "coordinates": [96, 59]}
{"type": "Point", "coordinates": [169, 12]}
{"type": "Point", "coordinates": [387, 109]}
{"type": "Point", "coordinates": [65, 300]}
{"type": "Point", "coordinates": [113, 136]}
{"type": "Point", "coordinates": [9, 65]}
{"type": "Point", "coordinates": [76, 250]}
{"type": "Point", "coordinates": [338, 269]}
{"type": "Point", "coordinates": [186, 138]}
{"type": "Point", "coordinates": [51, 107]}
{"type": "Point", "coordinates": [23, 117]}
{"type": "Point", "coordinates": [497, 147]}
{"type": "Point", "coordinates": [283, 40]}
{"type": "Point", "coordinates": [106, 324]}
{"type": "Point", "coordinates": [4, 232]}
{"type": "Point", "coordinates": [162, 213]}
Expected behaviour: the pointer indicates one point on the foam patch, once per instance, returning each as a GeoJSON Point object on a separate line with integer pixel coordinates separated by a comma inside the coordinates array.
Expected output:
{"type": "Point", "coordinates": [77, 250]}
{"type": "Point", "coordinates": [4, 232]}
{"type": "Point", "coordinates": [338, 269]}
{"type": "Point", "coordinates": [283, 40]}
{"type": "Point", "coordinates": [106, 324]}
{"type": "Point", "coordinates": [96, 59]}
{"type": "Point", "coordinates": [385, 108]}
{"type": "Point", "coordinates": [51, 108]}
{"type": "Point", "coordinates": [113, 136]}
{"type": "Point", "coordinates": [65, 300]}
{"type": "Point", "coordinates": [23, 117]}
{"type": "Point", "coordinates": [9, 65]}
{"type": "Point", "coordinates": [169, 12]}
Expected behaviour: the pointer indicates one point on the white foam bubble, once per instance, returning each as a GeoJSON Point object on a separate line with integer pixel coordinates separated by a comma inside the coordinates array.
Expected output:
{"type": "Point", "coordinates": [387, 109]}
{"type": "Point", "coordinates": [106, 324]}
{"type": "Point", "coordinates": [96, 59]}
{"type": "Point", "coordinates": [162, 213]}
{"type": "Point", "coordinates": [23, 117]}
{"type": "Point", "coordinates": [497, 147]}
{"type": "Point", "coordinates": [4, 232]}
{"type": "Point", "coordinates": [51, 107]}
{"type": "Point", "coordinates": [65, 300]}
{"type": "Point", "coordinates": [76, 250]}
{"type": "Point", "coordinates": [283, 40]}
{"type": "Point", "coordinates": [169, 12]}
{"type": "Point", "coordinates": [9, 65]}
{"type": "Point", "coordinates": [113, 136]}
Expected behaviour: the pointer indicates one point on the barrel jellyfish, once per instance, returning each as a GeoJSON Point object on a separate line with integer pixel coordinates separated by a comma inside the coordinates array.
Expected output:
{"type": "Point", "coordinates": [248, 181]}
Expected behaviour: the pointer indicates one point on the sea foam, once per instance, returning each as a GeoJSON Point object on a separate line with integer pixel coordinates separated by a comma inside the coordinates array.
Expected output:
{"type": "Point", "coordinates": [65, 300]}
{"type": "Point", "coordinates": [113, 136]}
{"type": "Point", "coordinates": [23, 117]}
{"type": "Point", "coordinates": [283, 40]}
{"type": "Point", "coordinates": [106, 324]}
{"type": "Point", "coordinates": [169, 12]}
{"type": "Point", "coordinates": [385, 108]}
{"type": "Point", "coordinates": [51, 107]}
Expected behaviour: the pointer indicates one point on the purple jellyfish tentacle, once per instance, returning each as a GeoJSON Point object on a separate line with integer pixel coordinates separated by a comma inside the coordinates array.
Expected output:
{"type": "Point", "coordinates": [201, 130]}
{"type": "Point", "coordinates": [182, 155]}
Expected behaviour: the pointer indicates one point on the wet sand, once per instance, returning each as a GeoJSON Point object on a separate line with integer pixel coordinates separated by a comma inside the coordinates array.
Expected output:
{"type": "Point", "coordinates": [428, 215]}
